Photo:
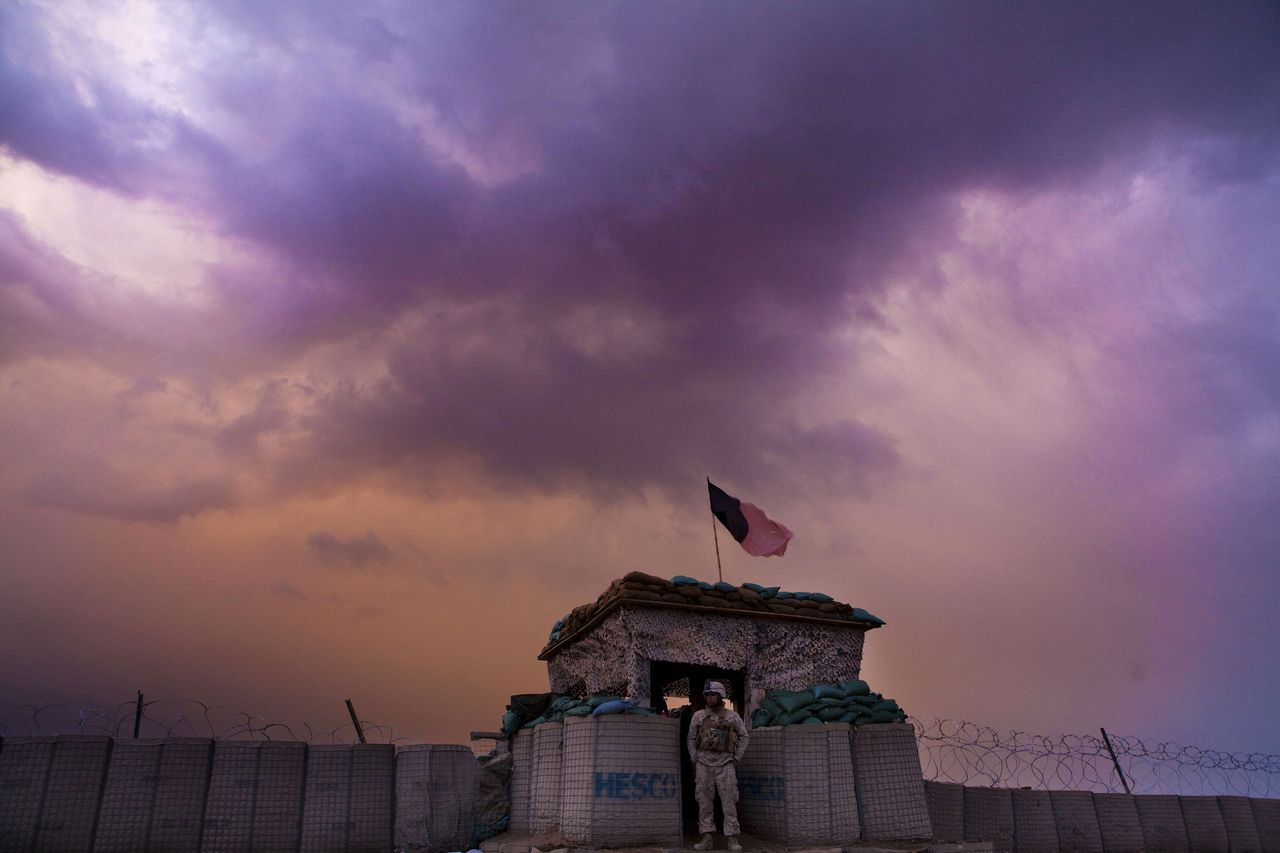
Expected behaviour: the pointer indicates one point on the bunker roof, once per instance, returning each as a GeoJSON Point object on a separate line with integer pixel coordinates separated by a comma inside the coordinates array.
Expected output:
{"type": "Point", "coordinates": [689, 594]}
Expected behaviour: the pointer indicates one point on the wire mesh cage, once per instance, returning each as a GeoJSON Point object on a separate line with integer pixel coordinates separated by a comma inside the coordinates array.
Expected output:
{"type": "Point", "coordinates": [797, 785]}
{"type": "Point", "coordinates": [436, 787]}
{"type": "Point", "coordinates": [621, 781]}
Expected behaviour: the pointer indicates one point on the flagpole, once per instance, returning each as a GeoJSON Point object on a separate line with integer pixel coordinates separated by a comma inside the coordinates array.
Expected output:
{"type": "Point", "coordinates": [716, 536]}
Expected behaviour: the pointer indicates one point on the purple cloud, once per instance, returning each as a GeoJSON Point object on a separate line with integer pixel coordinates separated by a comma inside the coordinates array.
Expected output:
{"type": "Point", "coordinates": [356, 551]}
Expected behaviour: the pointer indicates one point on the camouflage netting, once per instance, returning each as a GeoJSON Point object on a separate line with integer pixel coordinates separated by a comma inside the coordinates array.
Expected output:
{"type": "Point", "coordinates": [681, 590]}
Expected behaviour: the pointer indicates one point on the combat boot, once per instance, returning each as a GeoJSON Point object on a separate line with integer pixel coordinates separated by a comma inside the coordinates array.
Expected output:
{"type": "Point", "coordinates": [706, 843]}
{"type": "Point", "coordinates": [735, 846]}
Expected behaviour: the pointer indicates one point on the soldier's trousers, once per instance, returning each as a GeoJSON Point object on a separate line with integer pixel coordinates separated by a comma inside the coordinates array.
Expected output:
{"type": "Point", "coordinates": [707, 782]}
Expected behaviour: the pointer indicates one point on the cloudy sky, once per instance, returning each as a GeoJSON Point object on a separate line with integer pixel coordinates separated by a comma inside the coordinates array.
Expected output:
{"type": "Point", "coordinates": [345, 347]}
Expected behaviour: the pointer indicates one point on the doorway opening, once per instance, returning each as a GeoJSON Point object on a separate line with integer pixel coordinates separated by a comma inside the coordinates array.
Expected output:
{"type": "Point", "coordinates": [677, 689]}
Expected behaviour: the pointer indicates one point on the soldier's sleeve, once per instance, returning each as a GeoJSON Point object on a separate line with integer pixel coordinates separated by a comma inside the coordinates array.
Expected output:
{"type": "Point", "coordinates": [741, 728]}
{"type": "Point", "coordinates": [691, 742]}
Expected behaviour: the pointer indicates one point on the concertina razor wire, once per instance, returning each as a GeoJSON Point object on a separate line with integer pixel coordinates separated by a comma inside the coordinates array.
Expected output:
{"type": "Point", "coordinates": [950, 750]}
{"type": "Point", "coordinates": [178, 718]}
{"type": "Point", "coordinates": [974, 755]}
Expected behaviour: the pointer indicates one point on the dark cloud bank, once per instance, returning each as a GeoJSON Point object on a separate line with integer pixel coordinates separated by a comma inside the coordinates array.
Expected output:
{"type": "Point", "coordinates": [733, 181]}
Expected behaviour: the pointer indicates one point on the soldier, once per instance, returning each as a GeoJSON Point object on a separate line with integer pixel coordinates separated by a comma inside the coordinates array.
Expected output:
{"type": "Point", "coordinates": [717, 741]}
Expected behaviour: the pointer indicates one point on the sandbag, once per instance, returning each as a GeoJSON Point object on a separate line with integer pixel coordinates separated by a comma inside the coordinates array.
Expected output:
{"type": "Point", "coordinates": [792, 701]}
{"type": "Point", "coordinates": [617, 706]}
{"type": "Point", "coordinates": [828, 691]}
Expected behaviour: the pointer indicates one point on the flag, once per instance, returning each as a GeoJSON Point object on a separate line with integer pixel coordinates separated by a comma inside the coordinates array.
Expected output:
{"type": "Point", "coordinates": [758, 534]}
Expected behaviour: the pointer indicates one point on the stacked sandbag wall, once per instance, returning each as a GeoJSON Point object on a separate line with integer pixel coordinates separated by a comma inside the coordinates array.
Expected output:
{"type": "Point", "coordinates": [521, 780]}
{"type": "Point", "coordinates": [544, 792]}
{"type": "Point", "coordinates": [796, 786]}
{"type": "Point", "coordinates": [435, 797]}
{"type": "Point", "coordinates": [621, 781]}
{"type": "Point", "coordinates": [891, 799]}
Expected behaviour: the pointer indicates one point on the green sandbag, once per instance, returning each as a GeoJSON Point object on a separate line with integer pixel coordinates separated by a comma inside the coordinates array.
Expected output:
{"type": "Point", "coordinates": [812, 721]}
{"type": "Point", "coordinates": [887, 716]}
{"type": "Point", "coordinates": [564, 703]}
{"type": "Point", "coordinates": [833, 714]}
{"type": "Point", "coordinates": [827, 702]}
{"type": "Point", "coordinates": [771, 705]}
{"type": "Point", "coordinates": [761, 718]}
{"type": "Point", "coordinates": [510, 722]}
{"type": "Point", "coordinates": [792, 701]}
{"type": "Point", "coordinates": [800, 716]}
{"type": "Point", "coordinates": [828, 691]}
{"type": "Point", "coordinates": [865, 701]}
{"type": "Point", "coordinates": [582, 710]}
{"type": "Point", "coordinates": [536, 721]}
{"type": "Point", "coordinates": [884, 705]}
{"type": "Point", "coordinates": [599, 699]}
{"type": "Point", "coordinates": [848, 717]}
{"type": "Point", "coordinates": [856, 687]}
{"type": "Point", "coordinates": [783, 719]}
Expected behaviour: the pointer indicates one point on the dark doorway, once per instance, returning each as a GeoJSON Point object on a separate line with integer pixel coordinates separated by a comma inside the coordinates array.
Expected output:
{"type": "Point", "coordinates": [669, 684]}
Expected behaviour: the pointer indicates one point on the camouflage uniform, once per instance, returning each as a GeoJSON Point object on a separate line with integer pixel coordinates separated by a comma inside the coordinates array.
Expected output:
{"type": "Point", "coordinates": [717, 741]}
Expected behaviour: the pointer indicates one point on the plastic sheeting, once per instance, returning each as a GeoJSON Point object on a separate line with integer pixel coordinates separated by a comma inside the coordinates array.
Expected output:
{"type": "Point", "coordinates": [544, 795]}
{"type": "Point", "coordinates": [436, 788]}
{"type": "Point", "coordinates": [796, 785]}
{"type": "Point", "coordinates": [621, 781]}
{"type": "Point", "coordinates": [521, 780]}
{"type": "Point", "coordinates": [891, 801]}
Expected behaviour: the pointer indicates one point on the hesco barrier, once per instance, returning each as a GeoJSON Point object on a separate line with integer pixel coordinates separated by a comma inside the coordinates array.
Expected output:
{"type": "Point", "coordinates": [521, 781]}
{"type": "Point", "coordinates": [348, 799]}
{"type": "Point", "coordinates": [988, 816]}
{"type": "Point", "coordinates": [255, 797]}
{"type": "Point", "coordinates": [24, 769]}
{"type": "Point", "coordinates": [796, 785]}
{"type": "Point", "coordinates": [890, 785]}
{"type": "Point", "coordinates": [1266, 817]}
{"type": "Point", "coordinates": [946, 809]}
{"type": "Point", "coordinates": [71, 796]}
{"type": "Point", "coordinates": [154, 797]}
{"type": "Point", "coordinates": [1163, 829]}
{"type": "Point", "coordinates": [1118, 822]}
{"type": "Point", "coordinates": [1034, 830]}
{"type": "Point", "coordinates": [1206, 832]}
{"type": "Point", "coordinates": [544, 795]}
{"type": "Point", "coordinates": [1077, 821]}
{"type": "Point", "coordinates": [621, 781]}
{"type": "Point", "coordinates": [1237, 816]}
{"type": "Point", "coordinates": [435, 788]}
